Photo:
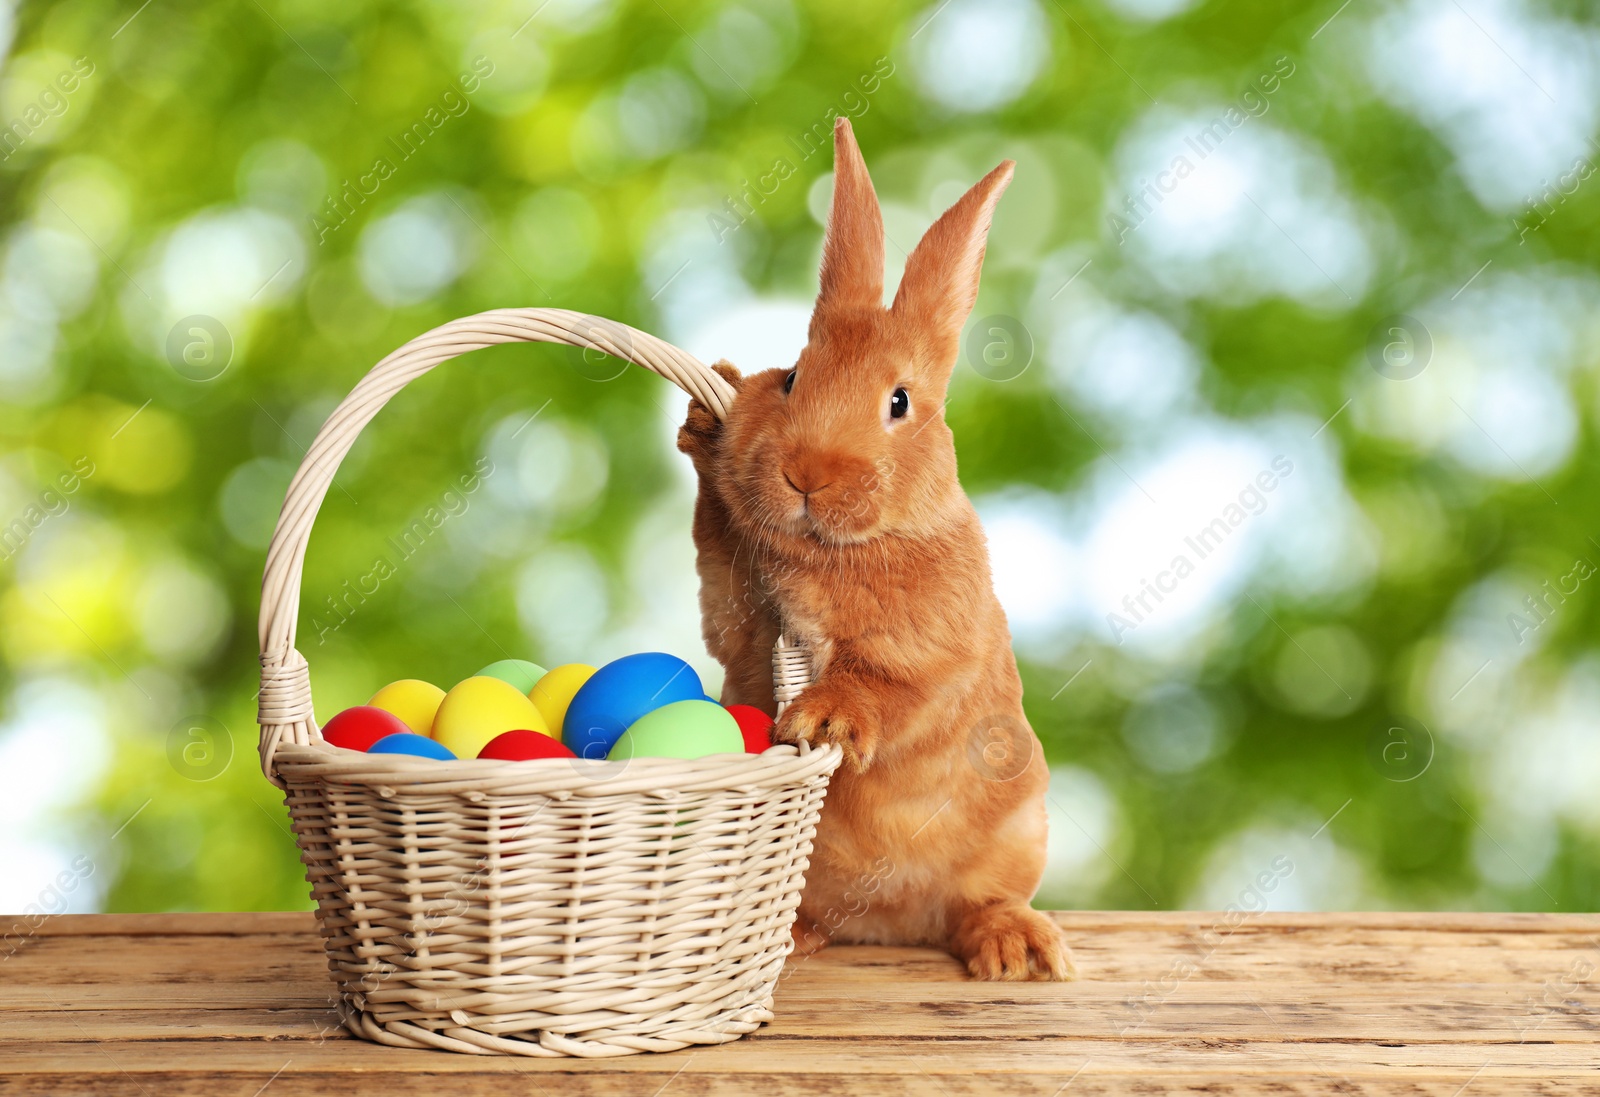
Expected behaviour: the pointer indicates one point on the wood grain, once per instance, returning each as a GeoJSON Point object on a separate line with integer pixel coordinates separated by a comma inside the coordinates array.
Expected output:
{"type": "Point", "coordinates": [1453, 1005]}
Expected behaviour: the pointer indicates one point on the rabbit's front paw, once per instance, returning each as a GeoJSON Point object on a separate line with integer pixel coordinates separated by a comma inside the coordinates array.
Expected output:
{"type": "Point", "coordinates": [824, 715]}
{"type": "Point", "coordinates": [702, 430]}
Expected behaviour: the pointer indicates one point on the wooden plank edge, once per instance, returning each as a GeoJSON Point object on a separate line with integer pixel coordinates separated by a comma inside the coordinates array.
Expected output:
{"type": "Point", "coordinates": [223, 924]}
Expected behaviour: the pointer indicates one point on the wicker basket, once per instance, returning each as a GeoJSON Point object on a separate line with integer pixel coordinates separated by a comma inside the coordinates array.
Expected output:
{"type": "Point", "coordinates": [586, 908]}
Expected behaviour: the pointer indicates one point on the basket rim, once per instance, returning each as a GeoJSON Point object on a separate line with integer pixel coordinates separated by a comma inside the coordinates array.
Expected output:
{"type": "Point", "coordinates": [667, 779]}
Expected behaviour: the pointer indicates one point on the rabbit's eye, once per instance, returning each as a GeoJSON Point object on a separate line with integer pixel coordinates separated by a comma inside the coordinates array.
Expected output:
{"type": "Point", "coordinates": [788, 382]}
{"type": "Point", "coordinates": [899, 404]}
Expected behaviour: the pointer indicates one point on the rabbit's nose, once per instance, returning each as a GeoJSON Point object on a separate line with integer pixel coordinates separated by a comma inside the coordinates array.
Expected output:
{"type": "Point", "coordinates": [803, 482]}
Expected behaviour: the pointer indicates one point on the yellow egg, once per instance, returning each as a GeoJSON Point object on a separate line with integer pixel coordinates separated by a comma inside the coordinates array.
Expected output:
{"type": "Point", "coordinates": [553, 693]}
{"type": "Point", "coordinates": [479, 709]}
{"type": "Point", "coordinates": [415, 702]}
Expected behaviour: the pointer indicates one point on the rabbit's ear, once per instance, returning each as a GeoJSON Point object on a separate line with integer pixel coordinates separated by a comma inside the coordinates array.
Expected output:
{"type": "Point", "coordinates": [852, 254]}
{"type": "Point", "coordinates": [940, 284]}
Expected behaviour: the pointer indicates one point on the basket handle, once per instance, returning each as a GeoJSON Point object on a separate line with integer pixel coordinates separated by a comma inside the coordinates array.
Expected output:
{"type": "Point", "coordinates": [285, 709]}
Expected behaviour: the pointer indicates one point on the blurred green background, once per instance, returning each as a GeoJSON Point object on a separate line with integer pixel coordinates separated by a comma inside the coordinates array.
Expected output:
{"type": "Point", "coordinates": [1355, 243]}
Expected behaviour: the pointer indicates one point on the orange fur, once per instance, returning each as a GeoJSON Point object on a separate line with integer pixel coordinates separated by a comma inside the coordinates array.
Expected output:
{"type": "Point", "coordinates": [820, 514]}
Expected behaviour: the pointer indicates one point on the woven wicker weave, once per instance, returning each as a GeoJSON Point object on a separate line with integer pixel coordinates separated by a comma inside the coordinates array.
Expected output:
{"type": "Point", "coordinates": [534, 908]}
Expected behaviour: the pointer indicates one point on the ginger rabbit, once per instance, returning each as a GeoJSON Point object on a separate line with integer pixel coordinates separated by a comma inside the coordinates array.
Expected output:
{"type": "Point", "coordinates": [829, 507]}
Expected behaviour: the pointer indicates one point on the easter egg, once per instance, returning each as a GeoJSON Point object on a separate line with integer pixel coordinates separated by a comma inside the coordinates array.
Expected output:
{"type": "Point", "coordinates": [480, 708]}
{"type": "Point", "coordinates": [413, 701]}
{"type": "Point", "coordinates": [755, 725]}
{"type": "Point", "coordinates": [359, 727]}
{"type": "Point", "coordinates": [407, 742]}
{"type": "Point", "coordinates": [520, 746]}
{"type": "Point", "coordinates": [553, 693]}
{"type": "Point", "coordinates": [683, 729]}
{"type": "Point", "coordinates": [619, 693]}
{"type": "Point", "coordinates": [518, 672]}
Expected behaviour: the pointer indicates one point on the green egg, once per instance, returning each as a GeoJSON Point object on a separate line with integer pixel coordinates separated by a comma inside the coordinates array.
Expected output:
{"type": "Point", "coordinates": [519, 672]}
{"type": "Point", "coordinates": [683, 729]}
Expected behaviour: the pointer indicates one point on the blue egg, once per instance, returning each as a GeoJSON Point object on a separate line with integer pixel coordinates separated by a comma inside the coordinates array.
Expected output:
{"type": "Point", "coordinates": [407, 742]}
{"type": "Point", "coordinates": [619, 693]}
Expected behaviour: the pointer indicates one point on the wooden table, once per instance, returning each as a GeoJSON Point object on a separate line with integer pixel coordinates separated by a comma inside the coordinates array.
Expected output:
{"type": "Point", "coordinates": [1454, 1005]}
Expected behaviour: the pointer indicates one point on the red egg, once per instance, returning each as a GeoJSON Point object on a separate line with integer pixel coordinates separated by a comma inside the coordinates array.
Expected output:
{"type": "Point", "coordinates": [520, 746]}
{"type": "Point", "coordinates": [755, 725]}
{"type": "Point", "coordinates": [359, 727]}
